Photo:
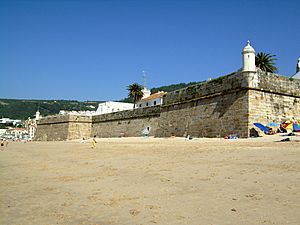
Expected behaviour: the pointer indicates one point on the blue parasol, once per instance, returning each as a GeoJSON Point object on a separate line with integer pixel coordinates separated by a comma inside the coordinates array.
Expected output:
{"type": "Point", "coordinates": [262, 127]}
{"type": "Point", "coordinates": [273, 124]}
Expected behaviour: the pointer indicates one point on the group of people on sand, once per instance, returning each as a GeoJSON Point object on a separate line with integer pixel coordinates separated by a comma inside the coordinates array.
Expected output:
{"type": "Point", "coordinates": [284, 127]}
{"type": "Point", "coordinates": [4, 143]}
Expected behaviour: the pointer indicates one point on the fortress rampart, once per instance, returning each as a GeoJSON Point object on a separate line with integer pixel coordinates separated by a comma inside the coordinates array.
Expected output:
{"type": "Point", "coordinates": [273, 98]}
{"type": "Point", "coordinates": [65, 127]}
{"type": "Point", "coordinates": [129, 123]}
{"type": "Point", "coordinates": [223, 106]}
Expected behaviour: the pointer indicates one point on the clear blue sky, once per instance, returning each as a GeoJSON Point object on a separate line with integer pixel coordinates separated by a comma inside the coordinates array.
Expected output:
{"type": "Point", "coordinates": [92, 50]}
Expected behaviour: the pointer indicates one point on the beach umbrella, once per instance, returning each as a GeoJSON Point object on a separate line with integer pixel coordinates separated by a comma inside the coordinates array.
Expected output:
{"type": "Point", "coordinates": [273, 124]}
{"type": "Point", "coordinates": [262, 127]}
{"type": "Point", "coordinates": [296, 127]}
{"type": "Point", "coordinates": [288, 126]}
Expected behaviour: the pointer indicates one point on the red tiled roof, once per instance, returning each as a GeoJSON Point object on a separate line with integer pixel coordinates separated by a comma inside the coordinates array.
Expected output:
{"type": "Point", "coordinates": [20, 129]}
{"type": "Point", "coordinates": [154, 96]}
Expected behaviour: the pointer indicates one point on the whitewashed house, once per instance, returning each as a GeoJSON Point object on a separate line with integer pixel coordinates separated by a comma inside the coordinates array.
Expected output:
{"type": "Point", "coordinates": [151, 100]}
{"type": "Point", "coordinates": [10, 121]}
{"type": "Point", "coordinates": [17, 132]}
{"type": "Point", "coordinates": [31, 124]}
{"type": "Point", "coordinates": [110, 107]}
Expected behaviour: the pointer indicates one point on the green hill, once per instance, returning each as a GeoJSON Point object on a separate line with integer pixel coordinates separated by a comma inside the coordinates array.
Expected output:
{"type": "Point", "coordinates": [22, 109]}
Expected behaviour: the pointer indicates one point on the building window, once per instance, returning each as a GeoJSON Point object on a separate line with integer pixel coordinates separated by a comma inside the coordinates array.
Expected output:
{"type": "Point", "coordinates": [154, 103]}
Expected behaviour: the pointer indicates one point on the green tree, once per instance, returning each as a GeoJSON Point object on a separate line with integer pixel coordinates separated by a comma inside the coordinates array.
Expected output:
{"type": "Point", "coordinates": [135, 92]}
{"type": "Point", "coordinates": [266, 62]}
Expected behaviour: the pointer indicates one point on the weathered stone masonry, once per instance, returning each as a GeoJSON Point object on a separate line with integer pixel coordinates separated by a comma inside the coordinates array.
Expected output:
{"type": "Point", "coordinates": [223, 106]}
{"type": "Point", "coordinates": [58, 128]}
{"type": "Point", "coordinates": [129, 123]}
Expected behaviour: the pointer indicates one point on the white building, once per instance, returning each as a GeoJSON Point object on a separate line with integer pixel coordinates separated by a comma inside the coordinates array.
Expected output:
{"type": "Point", "coordinates": [10, 121]}
{"type": "Point", "coordinates": [17, 132]}
{"type": "Point", "coordinates": [152, 100]}
{"type": "Point", "coordinates": [297, 74]}
{"type": "Point", "coordinates": [110, 107]}
{"type": "Point", "coordinates": [31, 125]}
{"type": "Point", "coordinates": [146, 93]}
{"type": "Point", "coordinates": [2, 132]}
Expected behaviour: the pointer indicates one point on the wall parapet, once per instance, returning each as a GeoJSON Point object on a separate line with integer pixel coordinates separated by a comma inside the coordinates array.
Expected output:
{"type": "Point", "coordinates": [64, 119]}
{"type": "Point", "coordinates": [211, 88]}
{"type": "Point", "coordinates": [274, 83]}
{"type": "Point", "coordinates": [235, 82]}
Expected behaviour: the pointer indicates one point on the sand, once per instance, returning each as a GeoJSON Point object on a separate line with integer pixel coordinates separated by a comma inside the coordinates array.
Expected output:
{"type": "Point", "coordinates": [128, 181]}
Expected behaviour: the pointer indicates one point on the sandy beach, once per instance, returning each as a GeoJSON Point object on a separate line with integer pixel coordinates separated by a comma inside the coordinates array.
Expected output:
{"type": "Point", "coordinates": [133, 181]}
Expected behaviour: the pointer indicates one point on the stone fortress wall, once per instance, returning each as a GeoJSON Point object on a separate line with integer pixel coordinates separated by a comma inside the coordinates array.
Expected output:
{"type": "Point", "coordinates": [129, 123]}
{"type": "Point", "coordinates": [227, 105]}
{"type": "Point", "coordinates": [63, 127]}
{"type": "Point", "coordinates": [210, 109]}
{"type": "Point", "coordinates": [273, 98]}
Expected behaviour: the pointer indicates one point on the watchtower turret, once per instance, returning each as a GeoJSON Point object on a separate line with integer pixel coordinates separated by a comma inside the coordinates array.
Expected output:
{"type": "Point", "coordinates": [248, 58]}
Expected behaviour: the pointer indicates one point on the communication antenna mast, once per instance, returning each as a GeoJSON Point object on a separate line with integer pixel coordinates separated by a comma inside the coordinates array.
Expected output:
{"type": "Point", "coordinates": [144, 78]}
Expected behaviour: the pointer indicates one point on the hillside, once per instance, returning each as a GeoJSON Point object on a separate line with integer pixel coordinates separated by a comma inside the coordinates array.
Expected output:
{"type": "Point", "coordinates": [22, 109]}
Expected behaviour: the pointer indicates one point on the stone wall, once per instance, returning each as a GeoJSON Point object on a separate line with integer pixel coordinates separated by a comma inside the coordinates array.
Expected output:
{"type": "Point", "coordinates": [216, 87]}
{"type": "Point", "coordinates": [80, 127]}
{"type": "Point", "coordinates": [59, 128]}
{"type": "Point", "coordinates": [129, 123]}
{"type": "Point", "coordinates": [208, 117]}
{"type": "Point", "coordinates": [211, 109]}
{"type": "Point", "coordinates": [227, 105]}
{"type": "Point", "coordinates": [273, 98]}
{"type": "Point", "coordinates": [274, 83]}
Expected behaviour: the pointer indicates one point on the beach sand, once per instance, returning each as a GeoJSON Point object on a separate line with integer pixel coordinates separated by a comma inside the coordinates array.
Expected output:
{"type": "Point", "coordinates": [132, 181]}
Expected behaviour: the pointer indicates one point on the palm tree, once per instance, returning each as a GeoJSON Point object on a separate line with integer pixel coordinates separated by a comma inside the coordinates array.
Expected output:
{"type": "Point", "coordinates": [135, 92]}
{"type": "Point", "coordinates": [266, 62]}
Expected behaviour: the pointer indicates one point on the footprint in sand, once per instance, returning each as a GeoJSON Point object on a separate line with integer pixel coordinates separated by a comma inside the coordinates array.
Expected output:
{"type": "Point", "coordinates": [152, 206]}
{"type": "Point", "coordinates": [134, 212]}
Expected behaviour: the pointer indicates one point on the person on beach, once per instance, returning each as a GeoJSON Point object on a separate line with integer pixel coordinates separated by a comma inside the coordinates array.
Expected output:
{"type": "Point", "coordinates": [94, 142]}
{"type": "Point", "coordinates": [5, 142]}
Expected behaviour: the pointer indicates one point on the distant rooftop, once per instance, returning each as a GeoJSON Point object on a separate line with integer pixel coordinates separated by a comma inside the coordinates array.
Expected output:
{"type": "Point", "coordinates": [154, 96]}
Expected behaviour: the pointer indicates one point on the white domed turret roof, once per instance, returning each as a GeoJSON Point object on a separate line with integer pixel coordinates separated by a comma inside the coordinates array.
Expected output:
{"type": "Point", "coordinates": [248, 48]}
